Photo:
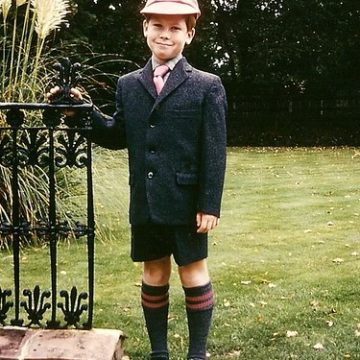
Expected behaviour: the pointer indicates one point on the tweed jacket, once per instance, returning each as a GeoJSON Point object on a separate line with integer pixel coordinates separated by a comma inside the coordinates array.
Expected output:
{"type": "Point", "coordinates": [176, 143]}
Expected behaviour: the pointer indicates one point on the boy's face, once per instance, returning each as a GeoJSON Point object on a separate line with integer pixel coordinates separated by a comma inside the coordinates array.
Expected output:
{"type": "Point", "coordinates": [167, 35]}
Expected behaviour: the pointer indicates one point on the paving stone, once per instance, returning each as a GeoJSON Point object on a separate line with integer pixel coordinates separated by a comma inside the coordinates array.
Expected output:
{"type": "Point", "coordinates": [10, 342]}
{"type": "Point", "coordinates": [97, 344]}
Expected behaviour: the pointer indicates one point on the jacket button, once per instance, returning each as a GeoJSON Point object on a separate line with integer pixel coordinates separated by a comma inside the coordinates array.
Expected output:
{"type": "Point", "coordinates": [150, 175]}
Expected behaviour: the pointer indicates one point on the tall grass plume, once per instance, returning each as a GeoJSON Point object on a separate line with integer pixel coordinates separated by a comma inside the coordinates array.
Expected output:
{"type": "Point", "coordinates": [26, 26]}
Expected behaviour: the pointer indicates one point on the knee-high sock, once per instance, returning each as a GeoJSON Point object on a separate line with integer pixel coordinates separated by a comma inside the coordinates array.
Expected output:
{"type": "Point", "coordinates": [155, 304]}
{"type": "Point", "coordinates": [199, 306]}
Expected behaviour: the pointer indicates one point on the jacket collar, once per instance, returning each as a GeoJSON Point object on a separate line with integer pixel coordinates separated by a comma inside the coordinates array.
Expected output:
{"type": "Point", "coordinates": [178, 75]}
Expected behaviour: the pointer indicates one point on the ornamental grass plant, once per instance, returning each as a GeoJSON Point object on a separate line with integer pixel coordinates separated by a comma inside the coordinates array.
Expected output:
{"type": "Point", "coordinates": [26, 25]}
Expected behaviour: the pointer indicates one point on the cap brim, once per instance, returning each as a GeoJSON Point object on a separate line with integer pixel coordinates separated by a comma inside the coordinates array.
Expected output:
{"type": "Point", "coordinates": [170, 9]}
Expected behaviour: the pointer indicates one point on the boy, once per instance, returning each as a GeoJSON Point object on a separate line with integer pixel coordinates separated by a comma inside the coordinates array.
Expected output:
{"type": "Point", "coordinates": [172, 120]}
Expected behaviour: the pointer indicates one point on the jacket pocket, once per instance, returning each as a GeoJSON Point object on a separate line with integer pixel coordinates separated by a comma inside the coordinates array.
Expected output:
{"type": "Point", "coordinates": [187, 178]}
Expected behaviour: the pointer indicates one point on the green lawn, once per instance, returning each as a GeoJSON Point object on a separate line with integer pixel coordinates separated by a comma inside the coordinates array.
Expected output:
{"type": "Point", "coordinates": [285, 260]}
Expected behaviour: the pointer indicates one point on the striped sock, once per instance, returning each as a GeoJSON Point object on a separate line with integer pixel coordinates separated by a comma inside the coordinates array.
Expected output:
{"type": "Point", "coordinates": [199, 307]}
{"type": "Point", "coordinates": [155, 304]}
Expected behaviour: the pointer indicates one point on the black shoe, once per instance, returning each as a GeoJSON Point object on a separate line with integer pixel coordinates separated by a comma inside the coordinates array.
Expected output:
{"type": "Point", "coordinates": [157, 356]}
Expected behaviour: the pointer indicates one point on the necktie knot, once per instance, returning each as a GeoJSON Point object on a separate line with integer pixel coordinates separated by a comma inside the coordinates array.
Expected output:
{"type": "Point", "coordinates": [159, 72]}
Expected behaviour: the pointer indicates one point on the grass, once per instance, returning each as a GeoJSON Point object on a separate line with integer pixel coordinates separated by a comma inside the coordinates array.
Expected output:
{"type": "Point", "coordinates": [284, 261]}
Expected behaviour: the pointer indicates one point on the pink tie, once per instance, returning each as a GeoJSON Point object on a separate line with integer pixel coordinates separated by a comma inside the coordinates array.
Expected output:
{"type": "Point", "coordinates": [159, 73]}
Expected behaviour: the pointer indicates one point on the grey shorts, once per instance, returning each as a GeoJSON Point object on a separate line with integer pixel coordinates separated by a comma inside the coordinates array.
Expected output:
{"type": "Point", "coordinates": [152, 242]}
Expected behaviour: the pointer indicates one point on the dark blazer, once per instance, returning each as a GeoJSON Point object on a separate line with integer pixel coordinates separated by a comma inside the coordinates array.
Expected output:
{"type": "Point", "coordinates": [176, 143]}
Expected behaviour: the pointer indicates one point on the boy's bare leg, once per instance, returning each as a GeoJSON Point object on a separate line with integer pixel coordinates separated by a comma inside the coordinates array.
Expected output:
{"type": "Point", "coordinates": [199, 306]}
{"type": "Point", "coordinates": [194, 274]}
{"type": "Point", "coordinates": [155, 303]}
{"type": "Point", "coordinates": [157, 272]}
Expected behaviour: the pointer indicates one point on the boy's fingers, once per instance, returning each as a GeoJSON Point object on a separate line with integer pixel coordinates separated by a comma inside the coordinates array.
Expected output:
{"type": "Point", "coordinates": [76, 93]}
{"type": "Point", "coordinates": [198, 219]}
{"type": "Point", "coordinates": [206, 223]}
{"type": "Point", "coordinates": [53, 91]}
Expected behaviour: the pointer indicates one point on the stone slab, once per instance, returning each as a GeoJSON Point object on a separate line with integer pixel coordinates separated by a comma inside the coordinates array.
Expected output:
{"type": "Point", "coordinates": [38, 344]}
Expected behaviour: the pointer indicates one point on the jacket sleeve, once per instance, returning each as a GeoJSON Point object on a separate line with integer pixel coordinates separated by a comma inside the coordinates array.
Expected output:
{"type": "Point", "coordinates": [213, 150]}
{"type": "Point", "coordinates": [109, 131]}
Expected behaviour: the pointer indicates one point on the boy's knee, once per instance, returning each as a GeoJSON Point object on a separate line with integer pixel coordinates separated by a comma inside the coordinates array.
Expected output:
{"type": "Point", "coordinates": [157, 272]}
{"type": "Point", "coordinates": [195, 274]}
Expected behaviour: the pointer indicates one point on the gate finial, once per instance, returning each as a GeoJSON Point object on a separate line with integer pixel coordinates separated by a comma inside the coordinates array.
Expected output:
{"type": "Point", "coordinates": [66, 79]}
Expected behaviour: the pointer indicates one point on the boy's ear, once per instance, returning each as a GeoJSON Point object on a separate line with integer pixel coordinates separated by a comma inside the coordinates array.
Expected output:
{"type": "Point", "coordinates": [145, 27]}
{"type": "Point", "coordinates": [190, 36]}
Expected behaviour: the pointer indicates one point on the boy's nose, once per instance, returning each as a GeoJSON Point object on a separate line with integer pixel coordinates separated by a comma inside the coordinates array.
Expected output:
{"type": "Point", "coordinates": [165, 34]}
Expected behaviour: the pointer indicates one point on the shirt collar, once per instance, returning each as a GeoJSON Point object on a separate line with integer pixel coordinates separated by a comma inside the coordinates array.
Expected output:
{"type": "Point", "coordinates": [170, 63]}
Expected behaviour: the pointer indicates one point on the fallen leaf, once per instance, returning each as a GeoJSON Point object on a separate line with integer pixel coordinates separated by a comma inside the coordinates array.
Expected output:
{"type": "Point", "coordinates": [245, 282]}
{"type": "Point", "coordinates": [291, 333]}
{"type": "Point", "coordinates": [271, 285]}
{"type": "Point", "coordinates": [330, 223]}
{"type": "Point", "coordinates": [355, 253]}
{"type": "Point", "coordinates": [226, 303]}
{"type": "Point", "coordinates": [357, 333]}
{"type": "Point", "coordinates": [330, 323]}
{"type": "Point", "coordinates": [338, 260]}
{"type": "Point", "coordinates": [319, 346]}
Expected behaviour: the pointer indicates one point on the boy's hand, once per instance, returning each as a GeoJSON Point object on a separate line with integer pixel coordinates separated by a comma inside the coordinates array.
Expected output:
{"type": "Point", "coordinates": [56, 91]}
{"type": "Point", "coordinates": [206, 222]}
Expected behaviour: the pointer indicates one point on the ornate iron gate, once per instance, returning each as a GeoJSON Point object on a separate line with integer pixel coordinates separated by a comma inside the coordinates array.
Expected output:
{"type": "Point", "coordinates": [50, 146]}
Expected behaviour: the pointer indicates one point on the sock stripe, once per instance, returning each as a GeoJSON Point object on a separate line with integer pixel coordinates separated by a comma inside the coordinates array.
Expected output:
{"type": "Point", "coordinates": [199, 298]}
{"type": "Point", "coordinates": [154, 297]}
{"type": "Point", "coordinates": [154, 302]}
{"type": "Point", "coordinates": [206, 303]}
{"type": "Point", "coordinates": [150, 305]}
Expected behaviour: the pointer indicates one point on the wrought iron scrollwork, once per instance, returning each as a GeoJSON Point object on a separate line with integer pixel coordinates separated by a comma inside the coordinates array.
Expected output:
{"type": "Point", "coordinates": [15, 117]}
{"type": "Point", "coordinates": [5, 228]}
{"type": "Point", "coordinates": [34, 151]}
{"type": "Point", "coordinates": [68, 77]}
{"type": "Point", "coordinates": [50, 145]}
{"type": "Point", "coordinates": [72, 307]}
{"type": "Point", "coordinates": [5, 305]}
{"type": "Point", "coordinates": [36, 306]}
{"type": "Point", "coordinates": [62, 229]}
{"type": "Point", "coordinates": [6, 158]}
{"type": "Point", "coordinates": [71, 150]}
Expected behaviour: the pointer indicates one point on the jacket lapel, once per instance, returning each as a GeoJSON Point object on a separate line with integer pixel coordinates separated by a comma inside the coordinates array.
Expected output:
{"type": "Point", "coordinates": [177, 76]}
{"type": "Point", "coordinates": [146, 78]}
